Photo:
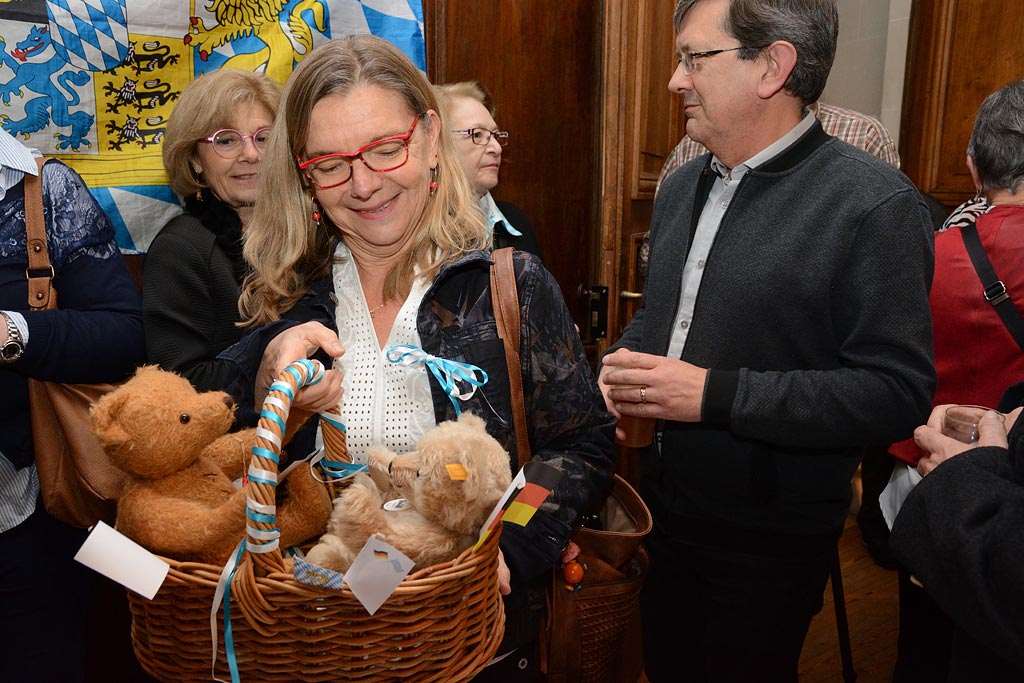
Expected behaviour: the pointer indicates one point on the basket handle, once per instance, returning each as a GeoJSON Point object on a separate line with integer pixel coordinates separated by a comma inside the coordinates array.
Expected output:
{"type": "Point", "coordinates": [262, 535]}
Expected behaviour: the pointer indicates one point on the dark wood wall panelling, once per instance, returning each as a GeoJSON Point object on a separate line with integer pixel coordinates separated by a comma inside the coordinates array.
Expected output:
{"type": "Point", "coordinates": [540, 59]}
{"type": "Point", "coordinates": [958, 52]}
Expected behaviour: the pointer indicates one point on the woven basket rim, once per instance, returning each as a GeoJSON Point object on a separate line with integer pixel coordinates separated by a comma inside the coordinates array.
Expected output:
{"type": "Point", "coordinates": [422, 580]}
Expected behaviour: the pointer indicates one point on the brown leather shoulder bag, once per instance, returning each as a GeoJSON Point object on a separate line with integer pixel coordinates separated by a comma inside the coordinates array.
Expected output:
{"type": "Point", "coordinates": [79, 484]}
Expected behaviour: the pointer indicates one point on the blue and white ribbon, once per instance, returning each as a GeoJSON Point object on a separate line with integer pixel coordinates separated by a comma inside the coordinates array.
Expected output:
{"type": "Point", "coordinates": [222, 596]}
{"type": "Point", "coordinates": [335, 469]}
{"type": "Point", "coordinates": [449, 373]}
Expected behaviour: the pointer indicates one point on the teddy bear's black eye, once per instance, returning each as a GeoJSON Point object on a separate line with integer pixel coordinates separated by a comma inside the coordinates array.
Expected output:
{"type": "Point", "coordinates": [184, 418]}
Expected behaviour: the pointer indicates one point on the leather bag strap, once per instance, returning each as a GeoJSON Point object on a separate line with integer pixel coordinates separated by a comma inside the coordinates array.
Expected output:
{"type": "Point", "coordinates": [39, 273]}
{"type": "Point", "coordinates": [994, 289]}
{"type": "Point", "coordinates": [505, 300]}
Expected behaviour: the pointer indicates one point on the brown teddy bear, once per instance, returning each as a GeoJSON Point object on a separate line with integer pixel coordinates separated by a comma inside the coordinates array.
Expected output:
{"type": "Point", "coordinates": [174, 443]}
{"type": "Point", "coordinates": [445, 490]}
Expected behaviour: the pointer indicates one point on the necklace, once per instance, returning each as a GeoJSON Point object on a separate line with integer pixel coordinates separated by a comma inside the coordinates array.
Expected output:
{"type": "Point", "coordinates": [373, 312]}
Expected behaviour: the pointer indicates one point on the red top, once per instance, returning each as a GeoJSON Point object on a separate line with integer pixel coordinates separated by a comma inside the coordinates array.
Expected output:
{"type": "Point", "coordinates": [976, 358]}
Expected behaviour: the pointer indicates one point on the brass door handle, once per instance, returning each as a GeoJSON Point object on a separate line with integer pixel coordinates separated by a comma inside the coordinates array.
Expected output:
{"type": "Point", "coordinates": [630, 295]}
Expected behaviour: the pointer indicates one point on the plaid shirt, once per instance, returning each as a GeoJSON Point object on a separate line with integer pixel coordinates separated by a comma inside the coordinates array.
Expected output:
{"type": "Point", "coordinates": [860, 130]}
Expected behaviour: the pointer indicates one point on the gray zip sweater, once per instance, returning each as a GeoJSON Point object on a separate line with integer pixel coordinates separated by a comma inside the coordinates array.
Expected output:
{"type": "Point", "coordinates": [813, 320]}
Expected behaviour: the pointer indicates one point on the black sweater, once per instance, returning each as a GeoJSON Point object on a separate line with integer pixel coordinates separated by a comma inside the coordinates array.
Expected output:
{"type": "Point", "coordinates": [191, 281]}
{"type": "Point", "coordinates": [812, 317]}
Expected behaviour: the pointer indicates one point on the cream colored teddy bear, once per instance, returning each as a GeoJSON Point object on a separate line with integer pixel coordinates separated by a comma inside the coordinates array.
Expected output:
{"type": "Point", "coordinates": [437, 497]}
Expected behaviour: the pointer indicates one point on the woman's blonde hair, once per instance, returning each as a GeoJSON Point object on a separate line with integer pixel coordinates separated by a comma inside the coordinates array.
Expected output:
{"type": "Point", "coordinates": [285, 248]}
{"type": "Point", "coordinates": [474, 90]}
{"type": "Point", "coordinates": [206, 105]}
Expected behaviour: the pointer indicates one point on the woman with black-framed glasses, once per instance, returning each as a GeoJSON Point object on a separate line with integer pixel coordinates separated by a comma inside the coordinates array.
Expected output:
{"type": "Point", "coordinates": [471, 111]}
{"type": "Point", "coordinates": [371, 238]}
{"type": "Point", "coordinates": [193, 272]}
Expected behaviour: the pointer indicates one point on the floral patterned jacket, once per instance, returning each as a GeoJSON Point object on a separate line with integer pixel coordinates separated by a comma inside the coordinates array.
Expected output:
{"type": "Point", "coordinates": [569, 427]}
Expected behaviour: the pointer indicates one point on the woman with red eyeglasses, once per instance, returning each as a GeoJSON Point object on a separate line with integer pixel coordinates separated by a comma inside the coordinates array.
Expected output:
{"type": "Point", "coordinates": [369, 251]}
{"type": "Point", "coordinates": [194, 267]}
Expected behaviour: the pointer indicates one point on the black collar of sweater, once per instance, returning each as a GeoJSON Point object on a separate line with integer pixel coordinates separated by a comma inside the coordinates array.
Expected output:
{"type": "Point", "coordinates": [811, 140]}
{"type": "Point", "coordinates": [223, 221]}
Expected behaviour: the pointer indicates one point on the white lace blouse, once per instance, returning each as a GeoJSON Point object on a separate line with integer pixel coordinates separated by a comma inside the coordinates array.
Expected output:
{"type": "Point", "coordinates": [384, 403]}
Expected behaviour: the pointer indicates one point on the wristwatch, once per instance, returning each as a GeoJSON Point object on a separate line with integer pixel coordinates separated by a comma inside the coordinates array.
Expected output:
{"type": "Point", "coordinates": [13, 347]}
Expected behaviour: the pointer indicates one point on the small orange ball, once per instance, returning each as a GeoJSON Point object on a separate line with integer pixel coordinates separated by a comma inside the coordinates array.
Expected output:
{"type": "Point", "coordinates": [572, 572]}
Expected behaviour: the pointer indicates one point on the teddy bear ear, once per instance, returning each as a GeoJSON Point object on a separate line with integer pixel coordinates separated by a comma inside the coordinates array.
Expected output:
{"type": "Point", "coordinates": [472, 420]}
{"type": "Point", "coordinates": [104, 415]}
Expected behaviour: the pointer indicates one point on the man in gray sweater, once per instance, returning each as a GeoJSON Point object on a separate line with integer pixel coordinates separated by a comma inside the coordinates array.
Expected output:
{"type": "Point", "coordinates": [784, 327]}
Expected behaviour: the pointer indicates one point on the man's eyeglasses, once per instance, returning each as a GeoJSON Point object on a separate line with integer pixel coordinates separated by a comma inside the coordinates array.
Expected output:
{"type": "Point", "coordinates": [482, 136]}
{"type": "Point", "coordinates": [688, 60]}
{"type": "Point", "coordinates": [228, 143]}
{"type": "Point", "coordinates": [380, 156]}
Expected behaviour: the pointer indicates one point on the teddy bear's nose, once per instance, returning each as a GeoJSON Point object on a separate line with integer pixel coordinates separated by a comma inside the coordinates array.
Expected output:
{"type": "Point", "coordinates": [228, 401]}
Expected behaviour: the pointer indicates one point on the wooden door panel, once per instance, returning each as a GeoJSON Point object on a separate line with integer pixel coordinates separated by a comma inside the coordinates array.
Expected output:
{"type": "Point", "coordinates": [653, 119]}
{"type": "Point", "coordinates": [974, 72]}
{"type": "Point", "coordinates": [658, 124]}
{"type": "Point", "coordinates": [540, 60]}
{"type": "Point", "coordinates": [958, 53]}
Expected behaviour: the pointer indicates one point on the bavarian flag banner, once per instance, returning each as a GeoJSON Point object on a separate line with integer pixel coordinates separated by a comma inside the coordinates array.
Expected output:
{"type": "Point", "coordinates": [523, 497]}
{"type": "Point", "coordinates": [93, 82]}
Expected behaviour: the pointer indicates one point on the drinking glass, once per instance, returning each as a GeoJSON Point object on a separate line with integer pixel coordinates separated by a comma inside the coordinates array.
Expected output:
{"type": "Point", "coordinates": [961, 422]}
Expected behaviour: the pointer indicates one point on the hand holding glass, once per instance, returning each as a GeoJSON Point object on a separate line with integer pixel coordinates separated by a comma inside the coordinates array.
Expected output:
{"type": "Point", "coordinates": [639, 431]}
{"type": "Point", "coordinates": [961, 422]}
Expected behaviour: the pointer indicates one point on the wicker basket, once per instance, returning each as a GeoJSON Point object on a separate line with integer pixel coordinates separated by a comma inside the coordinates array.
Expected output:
{"type": "Point", "coordinates": [443, 623]}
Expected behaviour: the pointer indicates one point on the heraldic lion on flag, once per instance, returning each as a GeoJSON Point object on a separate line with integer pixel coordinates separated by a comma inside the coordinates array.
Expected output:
{"type": "Point", "coordinates": [259, 19]}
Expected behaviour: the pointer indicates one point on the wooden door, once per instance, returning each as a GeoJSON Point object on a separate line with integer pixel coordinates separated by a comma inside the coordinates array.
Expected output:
{"type": "Point", "coordinates": [582, 88]}
{"type": "Point", "coordinates": [540, 60]}
{"type": "Point", "coordinates": [641, 122]}
{"type": "Point", "coordinates": [958, 52]}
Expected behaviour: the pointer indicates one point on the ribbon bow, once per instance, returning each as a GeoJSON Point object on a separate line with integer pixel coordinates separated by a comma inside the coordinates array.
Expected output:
{"type": "Point", "coordinates": [447, 372]}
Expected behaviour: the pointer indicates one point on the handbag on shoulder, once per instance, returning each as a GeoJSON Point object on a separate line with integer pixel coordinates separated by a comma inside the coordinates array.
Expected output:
{"type": "Point", "coordinates": [78, 483]}
{"type": "Point", "coordinates": [587, 622]}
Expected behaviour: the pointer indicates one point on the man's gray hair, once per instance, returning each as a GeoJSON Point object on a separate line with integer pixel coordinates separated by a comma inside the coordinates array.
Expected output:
{"type": "Point", "coordinates": [812, 26]}
{"type": "Point", "coordinates": [997, 141]}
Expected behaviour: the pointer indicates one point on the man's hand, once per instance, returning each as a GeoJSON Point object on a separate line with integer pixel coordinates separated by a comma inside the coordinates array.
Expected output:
{"type": "Point", "coordinates": [940, 448]}
{"type": "Point", "coordinates": [646, 385]}
{"type": "Point", "coordinates": [298, 342]}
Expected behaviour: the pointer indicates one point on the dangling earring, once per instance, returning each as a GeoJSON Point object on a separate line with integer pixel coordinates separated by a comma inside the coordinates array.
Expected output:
{"type": "Point", "coordinates": [199, 179]}
{"type": "Point", "coordinates": [316, 210]}
{"type": "Point", "coordinates": [434, 172]}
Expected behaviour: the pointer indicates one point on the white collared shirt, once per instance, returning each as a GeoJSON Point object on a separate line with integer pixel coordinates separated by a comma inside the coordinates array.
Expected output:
{"type": "Point", "coordinates": [15, 161]}
{"type": "Point", "coordinates": [493, 216]}
{"type": "Point", "coordinates": [722, 192]}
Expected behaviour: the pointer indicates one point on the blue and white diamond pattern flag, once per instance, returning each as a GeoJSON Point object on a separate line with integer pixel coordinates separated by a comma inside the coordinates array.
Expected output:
{"type": "Point", "coordinates": [93, 82]}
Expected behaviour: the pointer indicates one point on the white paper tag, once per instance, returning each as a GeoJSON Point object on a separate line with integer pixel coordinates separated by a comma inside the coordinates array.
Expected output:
{"type": "Point", "coordinates": [376, 573]}
{"type": "Point", "coordinates": [119, 558]}
{"type": "Point", "coordinates": [396, 505]}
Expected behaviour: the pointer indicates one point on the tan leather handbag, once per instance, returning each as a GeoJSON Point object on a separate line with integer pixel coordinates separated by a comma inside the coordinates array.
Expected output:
{"type": "Point", "coordinates": [79, 484]}
{"type": "Point", "coordinates": [586, 624]}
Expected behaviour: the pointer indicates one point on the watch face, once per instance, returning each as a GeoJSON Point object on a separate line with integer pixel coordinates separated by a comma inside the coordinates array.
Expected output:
{"type": "Point", "coordinates": [11, 351]}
